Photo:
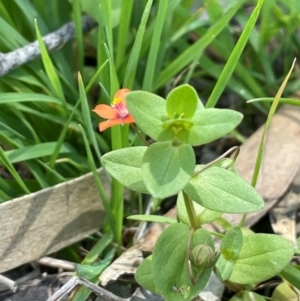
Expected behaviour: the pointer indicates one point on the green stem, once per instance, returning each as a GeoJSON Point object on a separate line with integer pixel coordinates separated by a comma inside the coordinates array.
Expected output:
{"type": "Point", "coordinates": [216, 234]}
{"type": "Point", "coordinates": [236, 153]}
{"type": "Point", "coordinates": [188, 247]}
{"type": "Point", "coordinates": [223, 223]}
{"type": "Point", "coordinates": [243, 219]}
{"type": "Point", "coordinates": [139, 134]}
{"type": "Point", "coordinates": [190, 211]}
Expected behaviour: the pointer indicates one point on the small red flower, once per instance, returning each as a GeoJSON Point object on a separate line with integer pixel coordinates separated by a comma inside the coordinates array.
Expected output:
{"type": "Point", "coordinates": [116, 113]}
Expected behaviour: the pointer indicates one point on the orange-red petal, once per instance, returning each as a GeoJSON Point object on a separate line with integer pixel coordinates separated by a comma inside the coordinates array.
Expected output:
{"type": "Point", "coordinates": [129, 119]}
{"type": "Point", "coordinates": [106, 111]}
{"type": "Point", "coordinates": [108, 123]}
{"type": "Point", "coordinates": [119, 97]}
{"type": "Point", "coordinates": [111, 122]}
{"type": "Point", "coordinates": [121, 93]}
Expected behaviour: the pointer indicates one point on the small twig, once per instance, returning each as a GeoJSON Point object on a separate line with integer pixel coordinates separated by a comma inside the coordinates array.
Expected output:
{"type": "Point", "coordinates": [75, 281]}
{"type": "Point", "coordinates": [53, 41]}
{"type": "Point", "coordinates": [55, 284]}
{"type": "Point", "coordinates": [12, 285]}
{"type": "Point", "coordinates": [57, 263]}
{"type": "Point", "coordinates": [235, 149]}
{"type": "Point", "coordinates": [25, 278]}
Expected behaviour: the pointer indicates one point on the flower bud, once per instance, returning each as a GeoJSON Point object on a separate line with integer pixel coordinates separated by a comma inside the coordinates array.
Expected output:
{"type": "Point", "coordinates": [203, 256]}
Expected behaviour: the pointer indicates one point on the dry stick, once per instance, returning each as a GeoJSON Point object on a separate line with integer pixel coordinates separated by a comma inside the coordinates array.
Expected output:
{"type": "Point", "coordinates": [5, 283]}
{"type": "Point", "coordinates": [57, 263]}
{"type": "Point", "coordinates": [53, 41]}
{"type": "Point", "coordinates": [9, 283]}
{"type": "Point", "coordinates": [35, 273]}
{"type": "Point", "coordinates": [75, 281]}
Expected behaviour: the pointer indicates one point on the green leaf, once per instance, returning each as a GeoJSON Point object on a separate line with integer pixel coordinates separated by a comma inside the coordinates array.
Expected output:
{"type": "Point", "coordinates": [170, 258]}
{"type": "Point", "coordinates": [96, 251]}
{"type": "Point", "coordinates": [149, 112]}
{"type": "Point", "coordinates": [12, 97]}
{"type": "Point", "coordinates": [230, 248]}
{"type": "Point", "coordinates": [209, 125]}
{"type": "Point", "coordinates": [262, 256]}
{"type": "Point", "coordinates": [167, 168]}
{"type": "Point", "coordinates": [153, 218]}
{"type": "Point", "coordinates": [182, 102]}
{"type": "Point", "coordinates": [36, 151]}
{"type": "Point", "coordinates": [221, 190]}
{"type": "Point", "coordinates": [89, 271]}
{"type": "Point", "coordinates": [292, 275]}
{"type": "Point", "coordinates": [232, 243]}
{"type": "Point", "coordinates": [223, 268]}
{"type": "Point", "coordinates": [144, 275]}
{"type": "Point", "coordinates": [125, 166]}
{"type": "Point", "coordinates": [203, 215]}
{"type": "Point", "coordinates": [86, 271]}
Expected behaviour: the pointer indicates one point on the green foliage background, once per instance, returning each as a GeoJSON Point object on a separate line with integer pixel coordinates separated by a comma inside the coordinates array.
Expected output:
{"type": "Point", "coordinates": [48, 133]}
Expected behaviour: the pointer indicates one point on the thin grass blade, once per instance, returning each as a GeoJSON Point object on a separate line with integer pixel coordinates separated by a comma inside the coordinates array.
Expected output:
{"type": "Point", "coordinates": [197, 48]}
{"type": "Point", "coordinates": [234, 57]}
{"type": "Point", "coordinates": [99, 184]}
{"type": "Point", "coordinates": [86, 114]}
{"type": "Point", "coordinates": [62, 137]}
{"type": "Point", "coordinates": [50, 70]}
{"type": "Point", "coordinates": [78, 32]}
{"type": "Point", "coordinates": [267, 125]}
{"type": "Point", "coordinates": [155, 43]}
{"type": "Point", "coordinates": [130, 73]}
{"type": "Point", "coordinates": [123, 30]}
{"type": "Point", "coordinates": [8, 165]}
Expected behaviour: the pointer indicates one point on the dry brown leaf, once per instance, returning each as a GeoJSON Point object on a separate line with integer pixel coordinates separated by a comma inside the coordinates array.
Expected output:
{"type": "Point", "coordinates": [281, 160]}
{"type": "Point", "coordinates": [284, 215]}
{"type": "Point", "coordinates": [43, 222]}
